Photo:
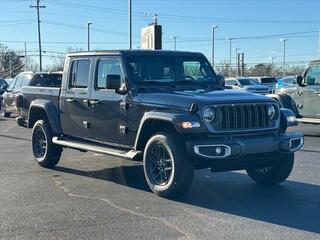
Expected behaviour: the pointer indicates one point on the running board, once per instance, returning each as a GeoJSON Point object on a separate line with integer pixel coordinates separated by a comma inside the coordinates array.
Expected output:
{"type": "Point", "coordinates": [309, 120]}
{"type": "Point", "coordinates": [132, 154]}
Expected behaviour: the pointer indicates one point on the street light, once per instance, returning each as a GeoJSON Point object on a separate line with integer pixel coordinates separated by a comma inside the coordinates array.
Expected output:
{"type": "Point", "coordinates": [175, 42]}
{"type": "Point", "coordinates": [230, 54]}
{"type": "Point", "coordinates": [212, 57]}
{"type": "Point", "coordinates": [284, 40]}
{"type": "Point", "coordinates": [88, 28]}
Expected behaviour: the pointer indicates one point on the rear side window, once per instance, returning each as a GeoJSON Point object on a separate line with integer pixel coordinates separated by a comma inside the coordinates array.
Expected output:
{"type": "Point", "coordinates": [48, 80]}
{"type": "Point", "coordinates": [80, 73]}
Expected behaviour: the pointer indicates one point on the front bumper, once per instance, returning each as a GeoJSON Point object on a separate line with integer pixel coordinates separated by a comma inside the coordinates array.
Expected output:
{"type": "Point", "coordinates": [225, 149]}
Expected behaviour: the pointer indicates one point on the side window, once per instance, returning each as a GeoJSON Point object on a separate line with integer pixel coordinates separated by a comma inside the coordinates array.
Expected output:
{"type": "Point", "coordinates": [105, 68]}
{"type": "Point", "coordinates": [313, 75]}
{"type": "Point", "coordinates": [79, 73]}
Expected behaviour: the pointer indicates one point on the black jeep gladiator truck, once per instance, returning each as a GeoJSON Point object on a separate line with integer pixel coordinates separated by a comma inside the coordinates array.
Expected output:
{"type": "Point", "coordinates": [166, 108]}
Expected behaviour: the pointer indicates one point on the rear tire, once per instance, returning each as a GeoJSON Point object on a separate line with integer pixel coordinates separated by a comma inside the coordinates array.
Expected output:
{"type": "Point", "coordinates": [274, 174]}
{"type": "Point", "coordinates": [45, 152]}
{"type": "Point", "coordinates": [167, 170]}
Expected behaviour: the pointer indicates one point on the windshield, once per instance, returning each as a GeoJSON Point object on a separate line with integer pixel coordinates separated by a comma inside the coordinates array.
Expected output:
{"type": "Point", "coordinates": [268, 80]}
{"type": "Point", "coordinates": [173, 70]}
{"type": "Point", "coordinates": [289, 80]}
{"type": "Point", "coordinates": [247, 81]}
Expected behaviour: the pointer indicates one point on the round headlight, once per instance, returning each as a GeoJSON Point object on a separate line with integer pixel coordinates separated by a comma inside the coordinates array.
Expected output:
{"type": "Point", "coordinates": [209, 114]}
{"type": "Point", "coordinates": [271, 112]}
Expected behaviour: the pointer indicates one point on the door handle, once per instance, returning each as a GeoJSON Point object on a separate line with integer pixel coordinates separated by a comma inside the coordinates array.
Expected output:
{"type": "Point", "coordinates": [70, 100]}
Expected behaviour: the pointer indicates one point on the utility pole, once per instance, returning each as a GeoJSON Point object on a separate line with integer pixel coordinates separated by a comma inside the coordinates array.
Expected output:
{"type": "Point", "coordinates": [25, 57]}
{"type": "Point", "coordinates": [212, 57]}
{"type": "Point", "coordinates": [10, 64]}
{"type": "Point", "coordinates": [237, 49]}
{"type": "Point", "coordinates": [130, 23]}
{"type": "Point", "coordinates": [88, 29]}
{"type": "Point", "coordinates": [271, 58]}
{"type": "Point", "coordinates": [39, 32]}
{"type": "Point", "coordinates": [284, 40]}
{"type": "Point", "coordinates": [175, 42]}
{"type": "Point", "coordinates": [242, 64]}
{"type": "Point", "coordinates": [230, 55]}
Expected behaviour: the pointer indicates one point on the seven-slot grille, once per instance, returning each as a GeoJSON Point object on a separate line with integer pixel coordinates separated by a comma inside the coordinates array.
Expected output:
{"type": "Point", "coordinates": [243, 117]}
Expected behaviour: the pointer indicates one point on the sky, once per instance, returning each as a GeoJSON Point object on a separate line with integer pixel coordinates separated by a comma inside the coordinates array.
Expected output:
{"type": "Point", "coordinates": [256, 26]}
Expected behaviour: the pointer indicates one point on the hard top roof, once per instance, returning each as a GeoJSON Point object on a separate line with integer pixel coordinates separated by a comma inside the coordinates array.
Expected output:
{"type": "Point", "coordinates": [133, 52]}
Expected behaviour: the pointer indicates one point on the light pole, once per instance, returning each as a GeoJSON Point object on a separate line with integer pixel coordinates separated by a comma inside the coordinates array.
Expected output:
{"type": "Point", "coordinates": [175, 42]}
{"type": "Point", "coordinates": [88, 28]}
{"type": "Point", "coordinates": [230, 55]}
{"type": "Point", "coordinates": [237, 65]}
{"type": "Point", "coordinates": [272, 58]}
{"type": "Point", "coordinates": [212, 57]}
{"type": "Point", "coordinates": [130, 23]}
{"type": "Point", "coordinates": [284, 40]}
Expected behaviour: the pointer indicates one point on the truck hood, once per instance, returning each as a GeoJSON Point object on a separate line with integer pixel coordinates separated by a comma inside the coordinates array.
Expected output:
{"type": "Point", "coordinates": [256, 87]}
{"type": "Point", "coordinates": [184, 99]}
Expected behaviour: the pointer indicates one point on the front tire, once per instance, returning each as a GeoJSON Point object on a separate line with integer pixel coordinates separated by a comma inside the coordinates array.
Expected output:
{"type": "Point", "coordinates": [167, 170]}
{"type": "Point", "coordinates": [275, 173]}
{"type": "Point", "coordinates": [45, 152]}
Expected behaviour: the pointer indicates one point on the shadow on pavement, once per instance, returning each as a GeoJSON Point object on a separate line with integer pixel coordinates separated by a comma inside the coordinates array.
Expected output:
{"type": "Point", "coordinates": [14, 137]}
{"type": "Point", "coordinates": [291, 204]}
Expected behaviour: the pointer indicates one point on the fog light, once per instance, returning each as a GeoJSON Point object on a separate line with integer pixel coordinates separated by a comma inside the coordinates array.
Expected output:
{"type": "Point", "coordinates": [186, 125]}
{"type": "Point", "coordinates": [218, 150]}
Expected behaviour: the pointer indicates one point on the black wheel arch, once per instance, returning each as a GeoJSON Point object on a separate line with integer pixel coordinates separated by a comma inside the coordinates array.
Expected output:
{"type": "Point", "coordinates": [45, 110]}
{"type": "Point", "coordinates": [285, 101]}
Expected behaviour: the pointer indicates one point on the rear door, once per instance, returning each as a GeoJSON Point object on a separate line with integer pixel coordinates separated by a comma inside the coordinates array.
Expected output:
{"type": "Point", "coordinates": [308, 98]}
{"type": "Point", "coordinates": [74, 103]}
{"type": "Point", "coordinates": [107, 117]}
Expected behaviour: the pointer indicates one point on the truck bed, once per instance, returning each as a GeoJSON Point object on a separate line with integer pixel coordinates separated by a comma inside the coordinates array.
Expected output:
{"type": "Point", "coordinates": [31, 93]}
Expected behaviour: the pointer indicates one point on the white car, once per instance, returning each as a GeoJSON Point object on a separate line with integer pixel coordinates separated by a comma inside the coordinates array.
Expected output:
{"type": "Point", "coordinates": [247, 84]}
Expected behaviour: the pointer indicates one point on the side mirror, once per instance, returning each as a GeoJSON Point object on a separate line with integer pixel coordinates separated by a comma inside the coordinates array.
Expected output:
{"type": "Point", "coordinates": [222, 79]}
{"type": "Point", "coordinates": [300, 81]}
{"type": "Point", "coordinates": [113, 82]}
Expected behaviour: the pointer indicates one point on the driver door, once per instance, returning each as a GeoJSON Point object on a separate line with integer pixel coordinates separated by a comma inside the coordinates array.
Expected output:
{"type": "Point", "coordinates": [308, 97]}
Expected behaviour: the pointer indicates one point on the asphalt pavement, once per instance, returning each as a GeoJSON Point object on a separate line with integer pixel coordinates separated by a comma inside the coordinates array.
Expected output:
{"type": "Point", "coordinates": [93, 196]}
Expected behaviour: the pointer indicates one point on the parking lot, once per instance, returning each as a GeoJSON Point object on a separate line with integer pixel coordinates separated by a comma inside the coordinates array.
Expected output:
{"type": "Point", "coordinates": [92, 196]}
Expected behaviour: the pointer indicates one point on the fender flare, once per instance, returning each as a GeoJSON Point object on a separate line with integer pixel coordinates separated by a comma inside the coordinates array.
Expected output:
{"type": "Point", "coordinates": [51, 111]}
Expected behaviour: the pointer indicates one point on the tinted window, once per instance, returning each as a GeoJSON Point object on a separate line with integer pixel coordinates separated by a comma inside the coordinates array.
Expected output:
{"type": "Point", "coordinates": [105, 68]}
{"type": "Point", "coordinates": [80, 73]}
{"type": "Point", "coordinates": [247, 82]}
{"type": "Point", "coordinates": [49, 80]}
{"type": "Point", "coordinates": [170, 69]}
{"type": "Point", "coordinates": [268, 80]}
{"type": "Point", "coordinates": [313, 75]}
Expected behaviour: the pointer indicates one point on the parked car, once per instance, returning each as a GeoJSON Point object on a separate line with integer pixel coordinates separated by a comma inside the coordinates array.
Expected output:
{"type": "Point", "coordinates": [3, 85]}
{"type": "Point", "coordinates": [13, 92]}
{"type": "Point", "coordinates": [166, 108]}
{"type": "Point", "coordinates": [247, 84]}
{"type": "Point", "coordinates": [269, 82]}
{"type": "Point", "coordinates": [287, 84]}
